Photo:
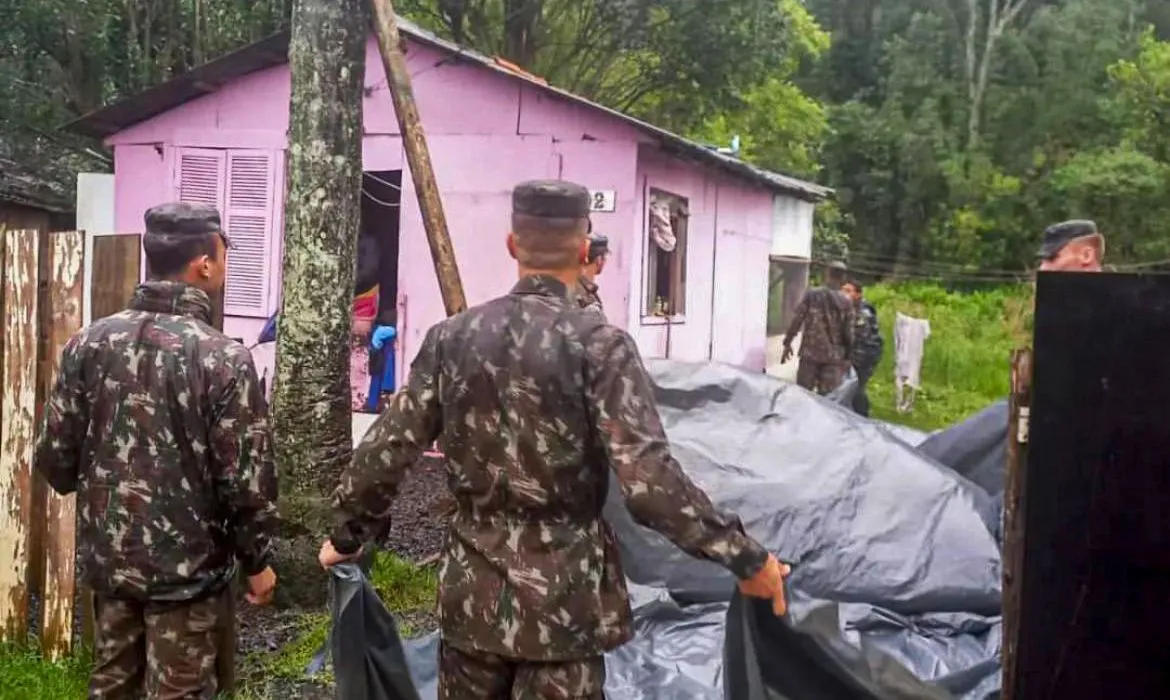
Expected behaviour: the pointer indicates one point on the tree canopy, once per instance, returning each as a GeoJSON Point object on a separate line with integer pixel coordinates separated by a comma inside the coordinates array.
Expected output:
{"type": "Point", "coordinates": [952, 130]}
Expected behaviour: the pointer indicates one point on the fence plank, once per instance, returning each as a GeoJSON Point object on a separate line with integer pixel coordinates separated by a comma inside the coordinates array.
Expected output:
{"type": "Point", "coordinates": [66, 268]}
{"type": "Point", "coordinates": [117, 267]}
{"type": "Point", "coordinates": [17, 426]}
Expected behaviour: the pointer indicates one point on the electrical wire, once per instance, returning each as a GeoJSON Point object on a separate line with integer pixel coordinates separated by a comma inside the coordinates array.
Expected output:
{"type": "Point", "coordinates": [389, 205]}
{"type": "Point", "coordinates": [387, 183]}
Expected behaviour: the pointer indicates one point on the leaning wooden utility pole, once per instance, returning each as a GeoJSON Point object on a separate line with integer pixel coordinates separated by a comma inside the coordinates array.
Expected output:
{"type": "Point", "coordinates": [418, 156]}
{"type": "Point", "coordinates": [1019, 413]}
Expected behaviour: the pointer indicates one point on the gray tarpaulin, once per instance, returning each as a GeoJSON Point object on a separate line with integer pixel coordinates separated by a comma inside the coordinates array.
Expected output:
{"type": "Point", "coordinates": [896, 573]}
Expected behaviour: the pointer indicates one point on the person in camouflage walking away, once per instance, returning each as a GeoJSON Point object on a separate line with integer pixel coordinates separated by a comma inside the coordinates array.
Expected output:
{"type": "Point", "coordinates": [594, 264]}
{"type": "Point", "coordinates": [158, 424]}
{"type": "Point", "coordinates": [826, 345]}
{"type": "Point", "coordinates": [867, 344]}
{"type": "Point", "coordinates": [532, 399]}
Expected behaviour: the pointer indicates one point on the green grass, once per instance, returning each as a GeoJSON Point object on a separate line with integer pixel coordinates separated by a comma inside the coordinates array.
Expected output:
{"type": "Point", "coordinates": [966, 364]}
{"type": "Point", "coordinates": [25, 675]}
{"type": "Point", "coordinates": [404, 587]}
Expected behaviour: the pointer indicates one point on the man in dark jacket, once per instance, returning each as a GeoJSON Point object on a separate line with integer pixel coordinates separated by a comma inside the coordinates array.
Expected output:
{"type": "Point", "coordinates": [824, 318]}
{"type": "Point", "coordinates": [533, 399]}
{"type": "Point", "coordinates": [867, 344]}
{"type": "Point", "coordinates": [157, 422]}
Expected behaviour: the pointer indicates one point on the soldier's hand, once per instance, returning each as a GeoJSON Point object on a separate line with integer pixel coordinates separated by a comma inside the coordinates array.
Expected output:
{"type": "Point", "coordinates": [768, 584]}
{"type": "Point", "coordinates": [330, 557]}
{"type": "Point", "coordinates": [787, 355]}
{"type": "Point", "coordinates": [261, 587]}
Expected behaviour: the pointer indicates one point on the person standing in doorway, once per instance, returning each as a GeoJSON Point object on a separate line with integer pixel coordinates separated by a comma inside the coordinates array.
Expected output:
{"type": "Point", "coordinates": [590, 271]}
{"type": "Point", "coordinates": [536, 402]}
{"type": "Point", "coordinates": [157, 422]}
{"type": "Point", "coordinates": [824, 318]}
{"type": "Point", "coordinates": [1072, 246]}
{"type": "Point", "coordinates": [867, 344]}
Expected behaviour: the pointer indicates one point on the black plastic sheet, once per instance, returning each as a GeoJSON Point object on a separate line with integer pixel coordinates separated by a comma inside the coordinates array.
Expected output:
{"type": "Point", "coordinates": [896, 573]}
{"type": "Point", "coordinates": [369, 660]}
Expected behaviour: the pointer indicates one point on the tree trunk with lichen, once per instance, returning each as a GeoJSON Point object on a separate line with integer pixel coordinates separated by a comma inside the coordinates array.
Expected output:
{"type": "Point", "coordinates": [311, 391]}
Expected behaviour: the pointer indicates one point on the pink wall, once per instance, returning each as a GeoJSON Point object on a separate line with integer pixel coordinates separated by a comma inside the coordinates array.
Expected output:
{"type": "Point", "coordinates": [728, 240]}
{"type": "Point", "coordinates": [487, 132]}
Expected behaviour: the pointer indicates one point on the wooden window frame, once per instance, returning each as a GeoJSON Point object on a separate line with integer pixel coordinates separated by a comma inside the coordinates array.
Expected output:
{"type": "Point", "coordinates": [674, 304]}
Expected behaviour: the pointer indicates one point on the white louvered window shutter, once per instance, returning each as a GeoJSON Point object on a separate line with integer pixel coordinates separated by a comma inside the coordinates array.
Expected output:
{"type": "Point", "coordinates": [200, 176]}
{"type": "Point", "coordinates": [249, 223]}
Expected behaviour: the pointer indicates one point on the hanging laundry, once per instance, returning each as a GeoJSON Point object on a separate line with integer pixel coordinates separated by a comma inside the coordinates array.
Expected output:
{"type": "Point", "coordinates": [661, 226]}
{"type": "Point", "coordinates": [910, 336]}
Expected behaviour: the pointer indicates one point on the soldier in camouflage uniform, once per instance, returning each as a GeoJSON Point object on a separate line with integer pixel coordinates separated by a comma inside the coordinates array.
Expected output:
{"type": "Point", "coordinates": [594, 264]}
{"type": "Point", "coordinates": [826, 344]}
{"type": "Point", "coordinates": [1072, 246]}
{"type": "Point", "coordinates": [158, 424]}
{"type": "Point", "coordinates": [867, 344]}
{"type": "Point", "coordinates": [532, 398]}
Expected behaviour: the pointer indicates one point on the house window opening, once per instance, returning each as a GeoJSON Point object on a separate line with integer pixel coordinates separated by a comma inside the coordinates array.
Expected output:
{"type": "Point", "coordinates": [376, 325]}
{"type": "Point", "coordinates": [666, 259]}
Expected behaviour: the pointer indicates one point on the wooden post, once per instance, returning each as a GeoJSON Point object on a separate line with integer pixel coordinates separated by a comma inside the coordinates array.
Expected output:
{"type": "Point", "coordinates": [1020, 404]}
{"type": "Point", "coordinates": [418, 156]}
{"type": "Point", "coordinates": [66, 286]}
{"type": "Point", "coordinates": [18, 397]}
{"type": "Point", "coordinates": [117, 267]}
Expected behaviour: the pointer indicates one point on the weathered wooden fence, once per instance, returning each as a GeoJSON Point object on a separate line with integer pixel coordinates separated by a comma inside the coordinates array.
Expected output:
{"type": "Point", "coordinates": [42, 293]}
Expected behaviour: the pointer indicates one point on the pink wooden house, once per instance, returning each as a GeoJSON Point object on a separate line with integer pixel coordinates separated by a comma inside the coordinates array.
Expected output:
{"type": "Point", "coordinates": [691, 230]}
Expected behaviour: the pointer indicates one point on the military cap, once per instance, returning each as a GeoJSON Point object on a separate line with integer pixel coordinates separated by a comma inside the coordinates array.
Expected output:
{"type": "Point", "coordinates": [551, 199]}
{"type": "Point", "coordinates": [598, 246]}
{"type": "Point", "coordinates": [838, 265]}
{"type": "Point", "coordinates": [1057, 236]}
{"type": "Point", "coordinates": [183, 219]}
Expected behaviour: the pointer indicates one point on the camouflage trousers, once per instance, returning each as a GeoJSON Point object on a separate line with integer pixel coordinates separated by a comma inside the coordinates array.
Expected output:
{"type": "Point", "coordinates": [472, 676]}
{"type": "Point", "coordinates": [166, 654]}
{"type": "Point", "coordinates": [821, 377]}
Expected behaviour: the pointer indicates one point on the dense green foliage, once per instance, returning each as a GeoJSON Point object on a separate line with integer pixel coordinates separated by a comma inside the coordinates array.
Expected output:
{"type": "Point", "coordinates": [953, 130]}
{"type": "Point", "coordinates": [966, 364]}
{"type": "Point", "coordinates": [953, 144]}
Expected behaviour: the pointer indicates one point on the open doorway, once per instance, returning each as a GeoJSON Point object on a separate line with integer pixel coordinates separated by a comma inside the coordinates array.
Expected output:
{"type": "Point", "coordinates": [373, 367]}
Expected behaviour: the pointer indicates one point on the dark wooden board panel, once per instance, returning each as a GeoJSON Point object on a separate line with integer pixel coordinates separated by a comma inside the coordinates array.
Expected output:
{"type": "Point", "coordinates": [1095, 600]}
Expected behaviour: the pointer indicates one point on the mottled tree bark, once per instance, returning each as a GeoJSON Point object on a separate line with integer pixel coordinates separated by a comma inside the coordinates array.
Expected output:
{"type": "Point", "coordinates": [311, 402]}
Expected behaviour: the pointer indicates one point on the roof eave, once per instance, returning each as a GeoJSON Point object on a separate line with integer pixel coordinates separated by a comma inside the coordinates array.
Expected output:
{"type": "Point", "coordinates": [273, 50]}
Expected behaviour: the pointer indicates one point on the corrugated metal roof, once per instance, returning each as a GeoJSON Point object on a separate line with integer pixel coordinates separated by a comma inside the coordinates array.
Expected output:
{"type": "Point", "coordinates": [274, 51]}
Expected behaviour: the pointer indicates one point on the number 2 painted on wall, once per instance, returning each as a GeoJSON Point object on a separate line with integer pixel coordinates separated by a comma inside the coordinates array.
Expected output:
{"type": "Point", "coordinates": [602, 200]}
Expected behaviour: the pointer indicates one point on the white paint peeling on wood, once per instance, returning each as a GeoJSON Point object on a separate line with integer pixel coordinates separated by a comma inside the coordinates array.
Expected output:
{"type": "Point", "coordinates": [17, 428]}
{"type": "Point", "coordinates": [66, 293]}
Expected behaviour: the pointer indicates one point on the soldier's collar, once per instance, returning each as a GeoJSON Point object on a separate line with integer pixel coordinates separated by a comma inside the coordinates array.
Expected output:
{"type": "Point", "coordinates": [166, 297]}
{"type": "Point", "coordinates": [541, 285]}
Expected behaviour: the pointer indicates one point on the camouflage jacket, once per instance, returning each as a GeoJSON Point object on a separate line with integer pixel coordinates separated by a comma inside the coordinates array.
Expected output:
{"type": "Point", "coordinates": [867, 338]}
{"type": "Point", "coordinates": [588, 299]}
{"type": "Point", "coordinates": [532, 399]}
{"type": "Point", "coordinates": [158, 424]}
{"type": "Point", "coordinates": [826, 317]}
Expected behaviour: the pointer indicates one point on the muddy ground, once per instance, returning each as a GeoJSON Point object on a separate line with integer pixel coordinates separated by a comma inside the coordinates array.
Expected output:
{"type": "Point", "coordinates": [418, 523]}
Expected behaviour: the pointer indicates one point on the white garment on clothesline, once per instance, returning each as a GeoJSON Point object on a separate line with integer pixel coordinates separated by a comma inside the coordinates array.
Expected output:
{"type": "Point", "coordinates": [910, 336]}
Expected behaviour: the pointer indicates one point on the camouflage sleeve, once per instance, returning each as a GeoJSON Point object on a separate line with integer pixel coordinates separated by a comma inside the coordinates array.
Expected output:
{"type": "Point", "coordinates": [597, 312]}
{"type": "Point", "coordinates": [243, 470]}
{"type": "Point", "coordinates": [797, 320]}
{"type": "Point", "coordinates": [58, 450]}
{"type": "Point", "coordinates": [393, 444]}
{"type": "Point", "coordinates": [657, 491]}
